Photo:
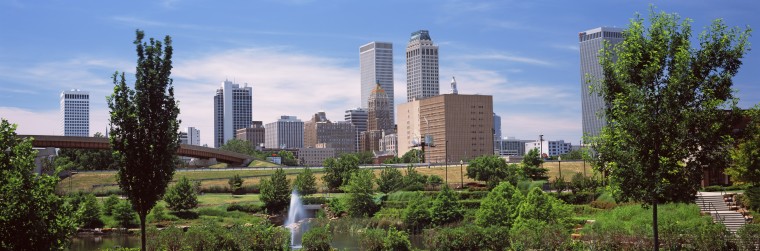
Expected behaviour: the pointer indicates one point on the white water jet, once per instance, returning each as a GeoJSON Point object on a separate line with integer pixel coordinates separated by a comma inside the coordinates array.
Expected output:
{"type": "Point", "coordinates": [296, 213]}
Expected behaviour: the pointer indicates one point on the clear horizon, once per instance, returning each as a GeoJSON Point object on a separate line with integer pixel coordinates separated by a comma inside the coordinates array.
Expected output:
{"type": "Point", "coordinates": [302, 56]}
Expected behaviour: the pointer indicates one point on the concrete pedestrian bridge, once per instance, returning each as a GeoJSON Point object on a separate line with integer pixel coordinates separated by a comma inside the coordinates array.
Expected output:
{"type": "Point", "coordinates": [201, 152]}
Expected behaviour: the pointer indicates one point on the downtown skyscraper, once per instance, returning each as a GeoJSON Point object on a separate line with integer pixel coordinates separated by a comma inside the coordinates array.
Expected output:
{"type": "Point", "coordinates": [590, 43]}
{"type": "Point", "coordinates": [376, 65]}
{"type": "Point", "coordinates": [232, 110]}
{"type": "Point", "coordinates": [75, 113]}
{"type": "Point", "coordinates": [421, 67]}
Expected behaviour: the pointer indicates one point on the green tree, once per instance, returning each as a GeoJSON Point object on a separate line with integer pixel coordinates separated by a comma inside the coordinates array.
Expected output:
{"type": "Point", "coordinates": [338, 171]}
{"type": "Point", "coordinates": [359, 201]}
{"type": "Point", "coordinates": [109, 203]}
{"type": "Point", "coordinates": [365, 158]}
{"type": "Point", "coordinates": [412, 156]}
{"type": "Point", "coordinates": [288, 158]}
{"type": "Point", "coordinates": [90, 212]}
{"type": "Point", "coordinates": [28, 204]}
{"type": "Point", "coordinates": [745, 166]}
{"type": "Point", "coordinates": [390, 180]}
{"type": "Point", "coordinates": [275, 192]}
{"type": "Point", "coordinates": [144, 127]}
{"type": "Point", "coordinates": [123, 213]}
{"type": "Point", "coordinates": [393, 160]}
{"type": "Point", "coordinates": [492, 169]}
{"type": "Point", "coordinates": [416, 216]}
{"type": "Point", "coordinates": [306, 183]}
{"type": "Point", "coordinates": [413, 180]}
{"type": "Point", "coordinates": [531, 165]}
{"type": "Point", "coordinates": [182, 196]}
{"type": "Point", "coordinates": [236, 184]}
{"type": "Point", "coordinates": [446, 208]}
{"type": "Point", "coordinates": [664, 113]}
{"type": "Point", "coordinates": [542, 207]}
{"type": "Point", "coordinates": [238, 146]}
{"type": "Point", "coordinates": [499, 208]}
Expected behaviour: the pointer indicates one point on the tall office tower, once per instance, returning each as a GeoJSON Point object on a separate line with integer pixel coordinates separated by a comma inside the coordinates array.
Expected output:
{"type": "Point", "coordinates": [340, 135]}
{"type": "Point", "coordinates": [591, 41]}
{"type": "Point", "coordinates": [254, 135]}
{"type": "Point", "coordinates": [286, 132]}
{"type": "Point", "coordinates": [358, 118]}
{"type": "Point", "coordinates": [421, 67]}
{"type": "Point", "coordinates": [75, 113]}
{"type": "Point", "coordinates": [379, 112]}
{"type": "Point", "coordinates": [497, 134]}
{"type": "Point", "coordinates": [465, 121]}
{"type": "Point", "coordinates": [376, 63]}
{"type": "Point", "coordinates": [232, 111]}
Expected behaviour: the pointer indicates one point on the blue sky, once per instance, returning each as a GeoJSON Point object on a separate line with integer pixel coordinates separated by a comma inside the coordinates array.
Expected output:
{"type": "Point", "coordinates": [302, 56]}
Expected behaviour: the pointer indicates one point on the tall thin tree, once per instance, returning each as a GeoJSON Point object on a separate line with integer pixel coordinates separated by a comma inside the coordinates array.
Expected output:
{"type": "Point", "coordinates": [665, 107]}
{"type": "Point", "coordinates": [144, 127]}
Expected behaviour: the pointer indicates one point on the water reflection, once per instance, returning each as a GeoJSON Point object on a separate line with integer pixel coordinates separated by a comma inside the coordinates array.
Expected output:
{"type": "Point", "coordinates": [92, 243]}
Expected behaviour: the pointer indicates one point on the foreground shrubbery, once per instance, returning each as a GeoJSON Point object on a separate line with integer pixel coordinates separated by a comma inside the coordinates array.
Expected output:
{"type": "Point", "coordinates": [210, 236]}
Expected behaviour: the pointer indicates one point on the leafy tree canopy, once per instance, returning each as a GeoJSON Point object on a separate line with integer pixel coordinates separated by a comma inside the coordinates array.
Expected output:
{"type": "Point", "coordinates": [182, 196]}
{"type": "Point", "coordinates": [29, 205]}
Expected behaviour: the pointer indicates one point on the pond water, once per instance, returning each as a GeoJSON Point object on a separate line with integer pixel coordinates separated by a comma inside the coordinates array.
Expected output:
{"type": "Point", "coordinates": [93, 243]}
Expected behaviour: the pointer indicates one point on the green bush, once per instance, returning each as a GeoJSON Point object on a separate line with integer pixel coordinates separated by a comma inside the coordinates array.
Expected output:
{"type": "Point", "coordinates": [577, 198]}
{"type": "Point", "coordinates": [246, 207]}
{"type": "Point", "coordinates": [211, 236]}
{"type": "Point", "coordinates": [109, 203]}
{"type": "Point", "coordinates": [416, 216]}
{"type": "Point", "coordinates": [468, 237]}
{"type": "Point", "coordinates": [182, 196]}
{"type": "Point", "coordinates": [470, 204]}
{"type": "Point", "coordinates": [316, 239]}
{"type": "Point", "coordinates": [374, 239]}
{"type": "Point", "coordinates": [499, 208]}
{"type": "Point", "coordinates": [409, 195]}
{"type": "Point", "coordinates": [158, 213]}
{"type": "Point", "coordinates": [390, 180]}
{"type": "Point", "coordinates": [396, 240]}
{"type": "Point", "coordinates": [445, 208]}
{"type": "Point", "coordinates": [748, 237]}
{"type": "Point", "coordinates": [538, 235]}
{"type": "Point", "coordinates": [537, 205]}
{"type": "Point", "coordinates": [236, 183]}
{"type": "Point", "coordinates": [313, 200]}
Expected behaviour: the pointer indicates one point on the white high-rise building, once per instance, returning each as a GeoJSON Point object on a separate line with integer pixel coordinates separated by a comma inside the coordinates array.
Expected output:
{"type": "Point", "coordinates": [591, 41]}
{"type": "Point", "coordinates": [286, 132]}
{"type": "Point", "coordinates": [421, 67]}
{"type": "Point", "coordinates": [191, 137]}
{"type": "Point", "coordinates": [75, 113]}
{"type": "Point", "coordinates": [376, 64]}
{"type": "Point", "coordinates": [232, 110]}
{"type": "Point", "coordinates": [497, 134]}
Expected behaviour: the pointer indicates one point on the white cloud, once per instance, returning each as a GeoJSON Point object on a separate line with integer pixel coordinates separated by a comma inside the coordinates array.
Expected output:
{"type": "Point", "coordinates": [284, 83]}
{"type": "Point", "coordinates": [505, 57]}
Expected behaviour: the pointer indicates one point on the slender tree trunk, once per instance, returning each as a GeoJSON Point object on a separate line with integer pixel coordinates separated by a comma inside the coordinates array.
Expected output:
{"type": "Point", "coordinates": [654, 226]}
{"type": "Point", "coordinates": [142, 231]}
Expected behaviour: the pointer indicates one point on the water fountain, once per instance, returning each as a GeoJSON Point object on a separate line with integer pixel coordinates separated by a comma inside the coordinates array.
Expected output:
{"type": "Point", "coordinates": [296, 214]}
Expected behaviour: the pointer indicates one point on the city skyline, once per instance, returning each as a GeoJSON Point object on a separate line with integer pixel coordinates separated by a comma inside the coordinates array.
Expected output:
{"type": "Point", "coordinates": [298, 61]}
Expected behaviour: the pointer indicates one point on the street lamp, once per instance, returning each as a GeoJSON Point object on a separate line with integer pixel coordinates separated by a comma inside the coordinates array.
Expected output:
{"type": "Point", "coordinates": [559, 158]}
{"type": "Point", "coordinates": [461, 173]}
{"type": "Point", "coordinates": [446, 159]}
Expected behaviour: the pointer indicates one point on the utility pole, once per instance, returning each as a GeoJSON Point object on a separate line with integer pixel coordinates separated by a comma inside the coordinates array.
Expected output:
{"type": "Point", "coordinates": [541, 148]}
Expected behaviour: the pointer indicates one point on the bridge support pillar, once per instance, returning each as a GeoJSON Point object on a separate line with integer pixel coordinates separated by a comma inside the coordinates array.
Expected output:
{"type": "Point", "coordinates": [197, 162]}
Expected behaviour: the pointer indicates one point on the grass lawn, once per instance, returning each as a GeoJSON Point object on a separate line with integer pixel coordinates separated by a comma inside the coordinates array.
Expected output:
{"type": "Point", "coordinates": [107, 180]}
{"type": "Point", "coordinates": [209, 200]}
